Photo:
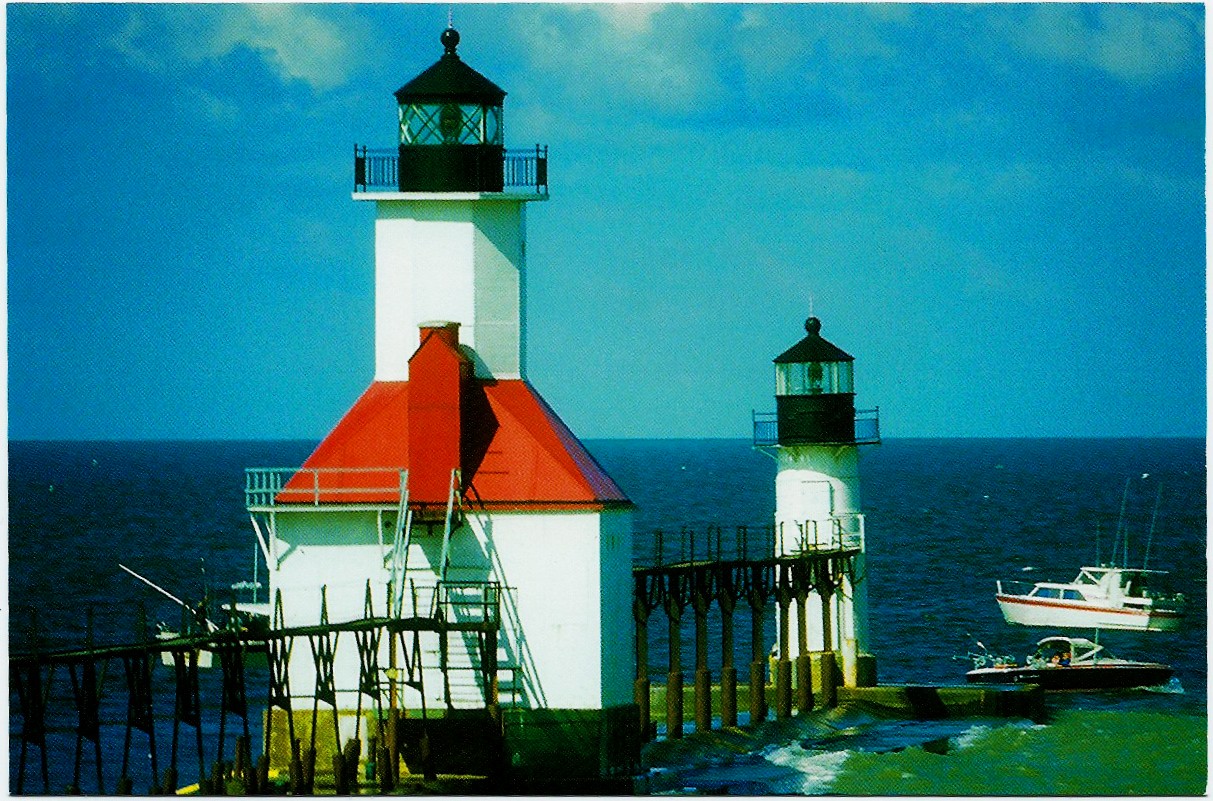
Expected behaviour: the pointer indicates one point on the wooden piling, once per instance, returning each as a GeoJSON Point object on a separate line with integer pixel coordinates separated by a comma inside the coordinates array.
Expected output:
{"type": "Point", "coordinates": [673, 705]}
{"type": "Point", "coordinates": [703, 677]}
{"type": "Point", "coordinates": [309, 771]}
{"type": "Point", "coordinates": [427, 762]}
{"type": "Point", "coordinates": [728, 673]}
{"type": "Point", "coordinates": [340, 777]}
{"type": "Point", "coordinates": [393, 745]}
{"type": "Point", "coordinates": [783, 688]}
{"type": "Point", "coordinates": [783, 669]}
{"type": "Point", "coordinates": [826, 590]}
{"type": "Point", "coordinates": [758, 699]}
{"type": "Point", "coordinates": [824, 675]}
{"type": "Point", "coordinates": [804, 683]}
{"type": "Point", "coordinates": [673, 695]}
{"type": "Point", "coordinates": [296, 768]}
{"type": "Point", "coordinates": [640, 690]}
{"type": "Point", "coordinates": [703, 700]}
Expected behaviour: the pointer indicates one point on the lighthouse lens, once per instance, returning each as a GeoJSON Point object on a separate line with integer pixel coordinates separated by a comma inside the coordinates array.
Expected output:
{"type": "Point", "coordinates": [451, 123]}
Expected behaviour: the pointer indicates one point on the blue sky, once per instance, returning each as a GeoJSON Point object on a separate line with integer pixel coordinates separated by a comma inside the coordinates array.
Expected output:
{"type": "Point", "coordinates": [997, 209]}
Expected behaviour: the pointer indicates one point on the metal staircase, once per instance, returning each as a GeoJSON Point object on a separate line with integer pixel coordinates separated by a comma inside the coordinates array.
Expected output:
{"type": "Point", "coordinates": [462, 611]}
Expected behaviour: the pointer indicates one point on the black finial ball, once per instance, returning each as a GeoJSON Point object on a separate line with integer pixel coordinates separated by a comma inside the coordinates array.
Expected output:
{"type": "Point", "coordinates": [450, 40]}
{"type": "Point", "coordinates": [812, 325]}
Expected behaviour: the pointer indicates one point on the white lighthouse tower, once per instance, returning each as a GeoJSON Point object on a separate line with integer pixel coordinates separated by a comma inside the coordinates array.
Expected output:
{"type": "Point", "coordinates": [817, 503]}
{"type": "Point", "coordinates": [450, 478]}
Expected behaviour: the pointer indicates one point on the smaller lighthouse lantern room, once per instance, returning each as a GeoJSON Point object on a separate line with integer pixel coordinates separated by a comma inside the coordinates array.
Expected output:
{"type": "Point", "coordinates": [815, 439]}
{"type": "Point", "coordinates": [815, 391]}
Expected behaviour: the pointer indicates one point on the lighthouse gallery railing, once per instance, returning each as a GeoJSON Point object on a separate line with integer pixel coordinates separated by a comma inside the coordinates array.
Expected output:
{"type": "Point", "coordinates": [377, 170]}
{"type": "Point", "coordinates": [867, 428]}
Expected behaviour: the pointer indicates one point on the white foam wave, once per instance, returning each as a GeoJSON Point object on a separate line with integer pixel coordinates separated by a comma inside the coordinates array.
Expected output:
{"type": "Point", "coordinates": [971, 737]}
{"type": "Point", "coordinates": [1173, 687]}
{"type": "Point", "coordinates": [817, 769]}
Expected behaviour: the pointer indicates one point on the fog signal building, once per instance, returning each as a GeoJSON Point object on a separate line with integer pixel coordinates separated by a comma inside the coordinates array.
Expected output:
{"type": "Point", "coordinates": [451, 485]}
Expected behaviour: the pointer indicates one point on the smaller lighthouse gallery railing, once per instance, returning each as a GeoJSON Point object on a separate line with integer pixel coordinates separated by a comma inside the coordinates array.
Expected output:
{"type": "Point", "coordinates": [867, 428]}
{"type": "Point", "coordinates": [377, 170]}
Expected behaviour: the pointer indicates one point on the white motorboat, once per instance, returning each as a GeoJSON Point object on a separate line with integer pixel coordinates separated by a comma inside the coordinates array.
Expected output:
{"type": "Point", "coordinates": [1098, 598]}
{"type": "Point", "coordinates": [1109, 596]}
{"type": "Point", "coordinates": [1067, 663]}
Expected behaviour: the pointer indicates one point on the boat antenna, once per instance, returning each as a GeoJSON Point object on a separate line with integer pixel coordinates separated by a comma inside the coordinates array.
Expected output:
{"type": "Point", "coordinates": [1097, 562]}
{"type": "Point", "coordinates": [1153, 519]}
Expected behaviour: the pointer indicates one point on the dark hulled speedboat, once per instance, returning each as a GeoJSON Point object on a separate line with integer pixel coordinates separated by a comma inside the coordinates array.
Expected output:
{"type": "Point", "coordinates": [1068, 663]}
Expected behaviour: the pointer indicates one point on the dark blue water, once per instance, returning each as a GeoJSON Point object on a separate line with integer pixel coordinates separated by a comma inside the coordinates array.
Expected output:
{"type": "Point", "coordinates": [945, 519]}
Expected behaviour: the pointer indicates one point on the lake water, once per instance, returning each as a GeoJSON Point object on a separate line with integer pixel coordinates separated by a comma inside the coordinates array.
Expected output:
{"type": "Point", "coordinates": [944, 520]}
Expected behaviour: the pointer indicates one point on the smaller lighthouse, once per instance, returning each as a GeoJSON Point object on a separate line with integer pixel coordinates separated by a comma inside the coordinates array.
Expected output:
{"type": "Point", "coordinates": [815, 436]}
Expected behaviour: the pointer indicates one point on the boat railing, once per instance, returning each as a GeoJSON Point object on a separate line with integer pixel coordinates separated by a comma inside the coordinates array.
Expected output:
{"type": "Point", "coordinates": [1015, 587]}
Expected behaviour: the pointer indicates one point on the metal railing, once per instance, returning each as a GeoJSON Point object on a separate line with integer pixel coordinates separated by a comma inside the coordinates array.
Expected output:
{"type": "Point", "coordinates": [840, 532]}
{"type": "Point", "coordinates": [377, 170]}
{"type": "Point", "coordinates": [711, 543]}
{"type": "Point", "coordinates": [867, 428]}
{"type": "Point", "coordinates": [266, 487]}
{"type": "Point", "coordinates": [766, 429]}
{"type": "Point", "coordinates": [467, 602]}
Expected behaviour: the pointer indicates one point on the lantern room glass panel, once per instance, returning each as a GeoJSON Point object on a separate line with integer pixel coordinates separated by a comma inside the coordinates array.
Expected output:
{"type": "Point", "coordinates": [450, 124]}
{"type": "Point", "coordinates": [845, 372]}
{"type": "Point", "coordinates": [814, 378]}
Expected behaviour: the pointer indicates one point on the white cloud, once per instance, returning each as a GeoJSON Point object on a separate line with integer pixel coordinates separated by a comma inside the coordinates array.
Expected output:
{"type": "Point", "coordinates": [293, 41]}
{"type": "Point", "coordinates": [1131, 42]}
{"type": "Point", "coordinates": [650, 56]}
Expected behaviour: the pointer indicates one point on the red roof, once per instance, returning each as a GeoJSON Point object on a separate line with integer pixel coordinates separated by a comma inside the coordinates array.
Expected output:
{"type": "Point", "coordinates": [517, 453]}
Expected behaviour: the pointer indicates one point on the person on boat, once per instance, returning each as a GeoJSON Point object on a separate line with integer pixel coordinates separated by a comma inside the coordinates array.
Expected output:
{"type": "Point", "coordinates": [1065, 659]}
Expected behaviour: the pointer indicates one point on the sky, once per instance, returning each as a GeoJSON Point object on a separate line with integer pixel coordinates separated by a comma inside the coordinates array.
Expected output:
{"type": "Point", "coordinates": [998, 210]}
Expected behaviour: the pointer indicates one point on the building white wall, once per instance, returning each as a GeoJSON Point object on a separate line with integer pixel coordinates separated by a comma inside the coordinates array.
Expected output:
{"type": "Point", "coordinates": [566, 609]}
{"type": "Point", "coordinates": [552, 563]}
{"type": "Point", "coordinates": [456, 260]}
{"type": "Point", "coordinates": [500, 280]}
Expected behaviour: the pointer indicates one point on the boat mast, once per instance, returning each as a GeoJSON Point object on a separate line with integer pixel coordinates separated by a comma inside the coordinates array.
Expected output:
{"type": "Point", "coordinates": [1121, 528]}
{"type": "Point", "coordinates": [1145, 563]}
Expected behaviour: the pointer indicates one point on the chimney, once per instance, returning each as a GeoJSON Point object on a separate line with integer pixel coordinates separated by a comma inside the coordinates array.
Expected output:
{"type": "Point", "coordinates": [437, 371]}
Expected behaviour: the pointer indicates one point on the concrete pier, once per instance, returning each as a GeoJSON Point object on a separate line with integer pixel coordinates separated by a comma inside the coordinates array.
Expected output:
{"type": "Point", "coordinates": [911, 701]}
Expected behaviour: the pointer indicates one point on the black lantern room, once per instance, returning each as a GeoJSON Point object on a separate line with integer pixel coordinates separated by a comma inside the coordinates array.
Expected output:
{"type": "Point", "coordinates": [815, 391]}
{"type": "Point", "coordinates": [451, 136]}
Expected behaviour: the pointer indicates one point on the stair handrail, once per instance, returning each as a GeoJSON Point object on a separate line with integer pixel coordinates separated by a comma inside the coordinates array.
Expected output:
{"type": "Point", "coordinates": [402, 535]}
{"type": "Point", "coordinates": [446, 531]}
